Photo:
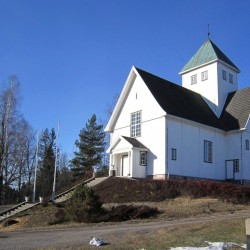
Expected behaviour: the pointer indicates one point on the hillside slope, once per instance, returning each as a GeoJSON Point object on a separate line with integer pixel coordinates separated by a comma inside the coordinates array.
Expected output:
{"type": "Point", "coordinates": [122, 190]}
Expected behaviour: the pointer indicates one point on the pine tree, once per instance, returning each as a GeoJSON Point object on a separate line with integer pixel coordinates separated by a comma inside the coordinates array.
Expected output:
{"type": "Point", "coordinates": [46, 162]}
{"type": "Point", "coordinates": [91, 146]}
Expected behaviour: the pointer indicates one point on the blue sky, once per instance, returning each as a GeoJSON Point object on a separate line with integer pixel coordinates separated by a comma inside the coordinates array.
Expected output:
{"type": "Point", "coordinates": [72, 57]}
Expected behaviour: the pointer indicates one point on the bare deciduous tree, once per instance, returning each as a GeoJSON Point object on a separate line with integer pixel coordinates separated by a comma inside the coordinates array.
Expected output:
{"type": "Point", "coordinates": [14, 133]}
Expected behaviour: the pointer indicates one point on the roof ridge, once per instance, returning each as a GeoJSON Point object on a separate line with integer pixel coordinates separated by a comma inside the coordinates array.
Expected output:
{"type": "Point", "coordinates": [222, 56]}
{"type": "Point", "coordinates": [179, 101]}
{"type": "Point", "coordinates": [168, 82]}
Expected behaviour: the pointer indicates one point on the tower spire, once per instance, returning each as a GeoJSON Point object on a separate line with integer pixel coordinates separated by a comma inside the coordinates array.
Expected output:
{"type": "Point", "coordinates": [208, 31]}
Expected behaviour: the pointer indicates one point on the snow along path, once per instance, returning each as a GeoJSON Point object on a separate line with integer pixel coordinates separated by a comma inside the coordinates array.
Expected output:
{"type": "Point", "coordinates": [65, 238]}
{"type": "Point", "coordinates": [212, 246]}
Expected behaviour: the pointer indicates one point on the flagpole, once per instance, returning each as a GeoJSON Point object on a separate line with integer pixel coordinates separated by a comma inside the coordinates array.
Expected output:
{"type": "Point", "coordinates": [34, 187]}
{"type": "Point", "coordinates": [56, 160]}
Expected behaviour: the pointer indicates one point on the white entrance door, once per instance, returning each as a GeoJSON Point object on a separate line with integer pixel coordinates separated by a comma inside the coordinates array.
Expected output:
{"type": "Point", "coordinates": [229, 170]}
{"type": "Point", "coordinates": [125, 165]}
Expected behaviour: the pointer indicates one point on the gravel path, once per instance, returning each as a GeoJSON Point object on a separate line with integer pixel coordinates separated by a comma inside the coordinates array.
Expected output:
{"type": "Point", "coordinates": [67, 238]}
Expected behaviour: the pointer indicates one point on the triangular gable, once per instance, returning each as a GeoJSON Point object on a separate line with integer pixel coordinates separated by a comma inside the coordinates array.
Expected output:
{"type": "Point", "coordinates": [184, 103]}
{"type": "Point", "coordinates": [122, 98]}
{"type": "Point", "coordinates": [124, 143]}
{"type": "Point", "coordinates": [133, 75]}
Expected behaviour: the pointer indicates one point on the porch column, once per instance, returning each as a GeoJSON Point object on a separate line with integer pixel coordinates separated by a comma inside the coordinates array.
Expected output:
{"type": "Point", "coordinates": [247, 223]}
{"type": "Point", "coordinates": [111, 165]}
{"type": "Point", "coordinates": [130, 158]}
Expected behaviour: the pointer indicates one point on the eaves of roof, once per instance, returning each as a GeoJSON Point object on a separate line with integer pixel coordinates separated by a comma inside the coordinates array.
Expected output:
{"type": "Point", "coordinates": [236, 111]}
{"type": "Point", "coordinates": [178, 101]}
{"type": "Point", "coordinates": [134, 142]}
{"type": "Point", "coordinates": [184, 103]}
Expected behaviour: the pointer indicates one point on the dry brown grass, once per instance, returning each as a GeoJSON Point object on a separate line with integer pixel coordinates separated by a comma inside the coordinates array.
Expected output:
{"type": "Point", "coordinates": [184, 207]}
{"type": "Point", "coordinates": [190, 235]}
{"type": "Point", "coordinates": [195, 234]}
{"type": "Point", "coordinates": [178, 208]}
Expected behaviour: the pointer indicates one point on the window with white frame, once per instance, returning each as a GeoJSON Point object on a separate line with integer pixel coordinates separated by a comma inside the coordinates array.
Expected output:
{"type": "Point", "coordinates": [231, 78]}
{"type": "Point", "coordinates": [208, 151]}
{"type": "Point", "coordinates": [247, 144]}
{"type": "Point", "coordinates": [224, 75]}
{"type": "Point", "coordinates": [204, 75]}
{"type": "Point", "coordinates": [136, 124]}
{"type": "Point", "coordinates": [194, 79]}
{"type": "Point", "coordinates": [143, 158]}
{"type": "Point", "coordinates": [236, 166]}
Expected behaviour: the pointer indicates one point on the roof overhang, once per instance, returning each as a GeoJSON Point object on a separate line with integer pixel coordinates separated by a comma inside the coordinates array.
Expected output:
{"type": "Point", "coordinates": [207, 63]}
{"type": "Point", "coordinates": [129, 146]}
{"type": "Point", "coordinates": [247, 123]}
{"type": "Point", "coordinates": [121, 100]}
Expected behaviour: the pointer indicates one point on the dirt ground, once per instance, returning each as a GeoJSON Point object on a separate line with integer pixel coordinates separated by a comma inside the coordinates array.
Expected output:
{"type": "Point", "coordinates": [136, 192]}
{"type": "Point", "coordinates": [172, 209]}
{"type": "Point", "coordinates": [140, 234]}
{"type": "Point", "coordinates": [182, 221]}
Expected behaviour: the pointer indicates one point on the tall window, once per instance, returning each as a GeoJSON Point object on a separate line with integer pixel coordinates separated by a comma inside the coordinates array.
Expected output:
{"type": "Point", "coordinates": [194, 79]}
{"type": "Point", "coordinates": [236, 166]}
{"type": "Point", "coordinates": [174, 154]}
{"type": "Point", "coordinates": [231, 78]}
{"type": "Point", "coordinates": [204, 75]}
{"type": "Point", "coordinates": [136, 124]}
{"type": "Point", "coordinates": [247, 144]}
{"type": "Point", "coordinates": [143, 158]}
{"type": "Point", "coordinates": [208, 151]}
{"type": "Point", "coordinates": [224, 75]}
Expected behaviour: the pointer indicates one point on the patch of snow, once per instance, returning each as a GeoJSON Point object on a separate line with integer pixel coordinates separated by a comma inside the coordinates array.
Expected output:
{"type": "Point", "coordinates": [211, 246]}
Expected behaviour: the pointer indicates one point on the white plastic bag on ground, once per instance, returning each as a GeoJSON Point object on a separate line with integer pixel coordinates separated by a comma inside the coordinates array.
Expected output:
{"type": "Point", "coordinates": [96, 242]}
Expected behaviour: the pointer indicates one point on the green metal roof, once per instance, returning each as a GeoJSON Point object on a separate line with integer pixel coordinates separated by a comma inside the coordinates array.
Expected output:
{"type": "Point", "coordinates": [208, 52]}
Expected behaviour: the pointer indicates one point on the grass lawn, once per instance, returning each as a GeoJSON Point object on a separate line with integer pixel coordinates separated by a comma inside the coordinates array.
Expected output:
{"type": "Point", "coordinates": [116, 191]}
{"type": "Point", "coordinates": [192, 235]}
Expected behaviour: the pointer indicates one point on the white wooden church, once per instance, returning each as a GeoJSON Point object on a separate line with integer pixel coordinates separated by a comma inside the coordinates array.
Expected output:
{"type": "Point", "coordinates": [201, 129]}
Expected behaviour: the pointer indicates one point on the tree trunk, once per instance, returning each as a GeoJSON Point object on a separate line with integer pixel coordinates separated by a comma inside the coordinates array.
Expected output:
{"type": "Point", "coordinates": [1, 189]}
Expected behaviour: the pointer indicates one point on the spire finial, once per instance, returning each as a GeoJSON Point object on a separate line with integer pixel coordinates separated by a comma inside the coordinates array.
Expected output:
{"type": "Point", "coordinates": [208, 32]}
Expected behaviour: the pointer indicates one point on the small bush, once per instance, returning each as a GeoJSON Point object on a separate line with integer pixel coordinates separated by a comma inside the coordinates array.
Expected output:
{"type": "Point", "coordinates": [128, 212]}
{"type": "Point", "coordinates": [59, 217]}
{"type": "Point", "coordinates": [84, 205]}
{"type": "Point", "coordinates": [9, 222]}
{"type": "Point", "coordinates": [44, 203]}
{"type": "Point", "coordinates": [172, 189]}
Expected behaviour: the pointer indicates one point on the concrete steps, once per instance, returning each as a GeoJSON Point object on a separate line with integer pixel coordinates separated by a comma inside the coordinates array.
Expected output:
{"type": "Point", "coordinates": [16, 210]}
{"type": "Point", "coordinates": [66, 195]}
{"type": "Point", "coordinates": [96, 181]}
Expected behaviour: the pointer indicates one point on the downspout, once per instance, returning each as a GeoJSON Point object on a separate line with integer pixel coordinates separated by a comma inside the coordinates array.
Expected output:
{"type": "Point", "coordinates": [130, 164]}
{"type": "Point", "coordinates": [166, 147]}
{"type": "Point", "coordinates": [241, 163]}
{"type": "Point", "coordinates": [111, 163]}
